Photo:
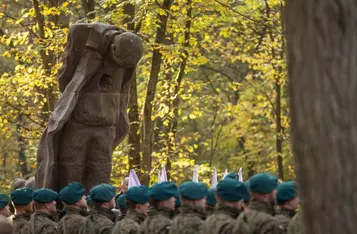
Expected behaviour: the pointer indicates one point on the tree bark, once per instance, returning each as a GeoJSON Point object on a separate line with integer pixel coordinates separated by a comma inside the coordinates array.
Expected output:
{"type": "Point", "coordinates": [88, 7]}
{"type": "Point", "coordinates": [133, 113]}
{"type": "Point", "coordinates": [150, 92]}
{"type": "Point", "coordinates": [322, 56]}
{"type": "Point", "coordinates": [22, 163]}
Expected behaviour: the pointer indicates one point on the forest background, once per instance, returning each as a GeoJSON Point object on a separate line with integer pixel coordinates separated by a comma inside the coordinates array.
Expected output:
{"type": "Point", "coordinates": [211, 88]}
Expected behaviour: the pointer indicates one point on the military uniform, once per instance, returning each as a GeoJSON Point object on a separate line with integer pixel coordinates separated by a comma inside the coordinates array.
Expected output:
{"type": "Point", "coordinates": [283, 217]}
{"type": "Point", "coordinates": [295, 225]}
{"type": "Point", "coordinates": [258, 219]}
{"type": "Point", "coordinates": [131, 224]}
{"type": "Point", "coordinates": [99, 222]}
{"type": "Point", "coordinates": [42, 223]}
{"type": "Point", "coordinates": [190, 220]}
{"type": "Point", "coordinates": [72, 222]}
{"type": "Point", "coordinates": [20, 223]}
{"type": "Point", "coordinates": [221, 220]}
{"type": "Point", "coordinates": [158, 221]}
{"type": "Point", "coordinates": [209, 210]}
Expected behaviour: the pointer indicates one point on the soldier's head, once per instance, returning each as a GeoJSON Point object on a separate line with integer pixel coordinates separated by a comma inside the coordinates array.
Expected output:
{"type": "Point", "coordinates": [211, 199]}
{"type": "Point", "coordinates": [73, 196]}
{"type": "Point", "coordinates": [4, 205]}
{"type": "Point", "coordinates": [126, 49]}
{"type": "Point", "coordinates": [45, 200]}
{"type": "Point", "coordinates": [231, 192]}
{"type": "Point", "coordinates": [121, 203]}
{"type": "Point", "coordinates": [5, 226]}
{"type": "Point", "coordinates": [22, 200]}
{"type": "Point", "coordinates": [103, 196]}
{"type": "Point", "coordinates": [263, 187]}
{"type": "Point", "coordinates": [287, 196]}
{"type": "Point", "coordinates": [193, 194]}
{"type": "Point", "coordinates": [162, 195]}
{"type": "Point", "coordinates": [137, 198]}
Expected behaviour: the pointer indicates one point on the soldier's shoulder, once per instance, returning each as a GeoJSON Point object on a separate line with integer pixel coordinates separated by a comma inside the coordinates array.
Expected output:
{"type": "Point", "coordinates": [281, 218]}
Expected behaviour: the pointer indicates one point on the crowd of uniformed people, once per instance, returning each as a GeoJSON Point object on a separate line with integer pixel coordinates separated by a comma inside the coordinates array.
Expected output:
{"type": "Point", "coordinates": [259, 206]}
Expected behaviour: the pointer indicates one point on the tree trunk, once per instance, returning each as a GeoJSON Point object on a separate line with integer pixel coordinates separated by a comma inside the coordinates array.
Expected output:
{"type": "Point", "coordinates": [322, 55]}
{"type": "Point", "coordinates": [88, 7]}
{"type": "Point", "coordinates": [22, 163]}
{"type": "Point", "coordinates": [133, 113]}
{"type": "Point", "coordinates": [150, 92]}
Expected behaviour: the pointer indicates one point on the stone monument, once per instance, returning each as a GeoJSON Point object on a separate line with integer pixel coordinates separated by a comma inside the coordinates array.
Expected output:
{"type": "Point", "coordinates": [90, 118]}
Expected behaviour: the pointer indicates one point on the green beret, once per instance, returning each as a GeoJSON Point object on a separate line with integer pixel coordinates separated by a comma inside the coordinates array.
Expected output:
{"type": "Point", "coordinates": [163, 191]}
{"type": "Point", "coordinates": [45, 195]}
{"type": "Point", "coordinates": [102, 193]}
{"type": "Point", "coordinates": [231, 190]}
{"type": "Point", "coordinates": [193, 190]}
{"type": "Point", "coordinates": [4, 200]}
{"type": "Point", "coordinates": [22, 196]}
{"type": "Point", "coordinates": [263, 183]}
{"type": "Point", "coordinates": [177, 200]}
{"type": "Point", "coordinates": [72, 193]}
{"type": "Point", "coordinates": [286, 191]}
{"type": "Point", "coordinates": [211, 197]}
{"type": "Point", "coordinates": [89, 201]}
{"type": "Point", "coordinates": [138, 194]}
{"type": "Point", "coordinates": [232, 176]}
{"type": "Point", "coordinates": [121, 201]}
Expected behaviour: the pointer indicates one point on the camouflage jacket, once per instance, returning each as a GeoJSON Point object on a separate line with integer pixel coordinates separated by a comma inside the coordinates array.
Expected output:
{"type": "Point", "coordinates": [42, 223]}
{"type": "Point", "coordinates": [100, 221]}
{"type": "Point", "coordinates": [72, 222]}
{"type": "Point", "coordinates": [221, 221]}
{"type": "Point", "coordinates": [295, 225]}
{"type": "Point", "coordinates": [258, 219]}
{"type": "Point", "coordinates": [190, 220]}
{"type": "Point", "coordinates": [158, 221]}
{"type": "Point", "coordinates": [209, 210]}
{"type": "Point", "coordinates": [283, 217]}
{"type": "Point", "coordinates": [130, 224]}
{"type": "Point", "coordinates": [20, 223]}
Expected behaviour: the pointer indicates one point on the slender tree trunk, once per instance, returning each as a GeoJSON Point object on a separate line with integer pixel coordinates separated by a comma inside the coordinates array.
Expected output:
{"type": "Point", "coordinates": [150, 92]}
{"type": "Point", "coordinates": [322, 55]}
{"type": "Point", "coordinates": [22, 163]}
{"type": "Point", "coordinates": [133, 113]}
{"type": "Point", "coordinates": [278, 70]}
{"type": "Point", "coordinates": [88, 7]}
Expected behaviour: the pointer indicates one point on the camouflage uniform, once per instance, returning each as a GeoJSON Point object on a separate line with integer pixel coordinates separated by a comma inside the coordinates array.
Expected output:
{"type": "Point", "coordinates": [158, 221]}
{"type": "Point", "coordinates": [99, 222]}
{"type": "Point", "coordinates": [295, 225]}
{"type": "Point", "coordinates": [72, 222]}
{"type": "Point", "coordinates": [190, 220]}
{"type": "Point", "coordinates": [209, 210]}
{"type": "Point", "coordinates": [20, 223]}
{"type": "Point", "coordinates": [221, 221]}
{"type": "Point", "coordinates": [42, 223]}
{"type": "Point", "coordinates": [283, 217]}
{"type": "Point", "coordinates": [130, 224]}
{"type": "Point", "coordinates": [258, 219]}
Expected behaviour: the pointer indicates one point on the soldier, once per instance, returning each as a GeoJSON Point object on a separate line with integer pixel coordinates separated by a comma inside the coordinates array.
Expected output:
{"type": "Point", "coordinates": [295, 226]}
{"type": "Point", "coordinates": [89, 203]}
{"type": "Point", "coordinates": [121, 204]}
{"type": "Point", "coordinates": [5, 226]}
{"type": "Point", "coordinates": [101, 220]}
{"type": "Point", "coordinates": [42, 221]}
{"type": "Point", "coordinates": [259, 217]}
{"type": "Point", "coordinates": [210, 202]}
{"type": "Point", "coordinates": [137, 200]}
{"type": "Point", "coordinates": [246, 198]}
{"type": "Point", "coordinates": [288, 202]}
{"type": "Point", "coordinates": [230, 196]}
{"type": "Point", "coordinates": [4, 206]}
{"type": "Point", "coordinates": [193, 197]}
{"type": "Point", "coordinates": [23, 205]}
{"type": "Point", "coordinates": [75, 205]}
{"type": "Point", "coordinates": [162, 201]}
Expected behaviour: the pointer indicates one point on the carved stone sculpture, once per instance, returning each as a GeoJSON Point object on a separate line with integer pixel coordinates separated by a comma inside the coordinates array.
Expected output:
{"type": "Point", "coordinates": [90, 118]}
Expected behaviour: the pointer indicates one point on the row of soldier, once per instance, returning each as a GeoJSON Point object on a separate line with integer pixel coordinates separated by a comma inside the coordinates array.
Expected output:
{"type": "Point", "coordinates": [260, 205]}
